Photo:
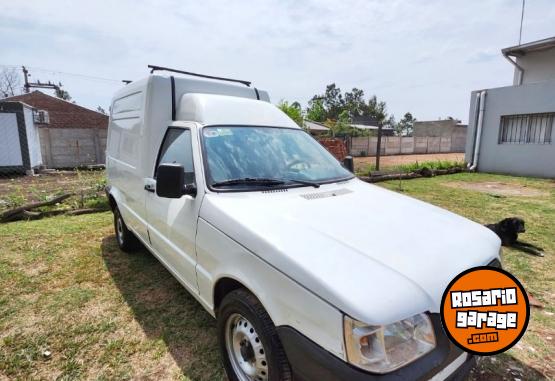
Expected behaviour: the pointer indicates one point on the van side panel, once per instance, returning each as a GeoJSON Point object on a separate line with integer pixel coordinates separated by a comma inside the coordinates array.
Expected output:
{"type": "Point", "coordinates": [124, 165]}
{"type": "Point", "coordinates": [158, 114]}
{"type": "Point", "coordinates": [287, 303]}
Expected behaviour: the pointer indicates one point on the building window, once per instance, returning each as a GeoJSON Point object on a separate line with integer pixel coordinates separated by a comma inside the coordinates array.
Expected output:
{"type": "Point", "coordinates": [526, 128]}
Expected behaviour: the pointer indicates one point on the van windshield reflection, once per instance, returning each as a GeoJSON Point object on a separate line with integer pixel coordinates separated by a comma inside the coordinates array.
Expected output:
{"type": "Point", "coordinates": [244, 156]}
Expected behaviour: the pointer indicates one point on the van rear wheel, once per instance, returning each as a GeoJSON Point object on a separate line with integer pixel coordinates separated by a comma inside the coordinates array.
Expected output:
{"type": "Point", "coordinates": [249, 344]}
{"type": "Point", "coordinates": [126, 239]}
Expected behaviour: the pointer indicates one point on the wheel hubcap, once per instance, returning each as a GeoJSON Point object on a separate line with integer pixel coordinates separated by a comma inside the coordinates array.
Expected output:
{"type": "Point", "coordinates": [119, 228]}
{"type": "Point", "coordinates": [245, 350]}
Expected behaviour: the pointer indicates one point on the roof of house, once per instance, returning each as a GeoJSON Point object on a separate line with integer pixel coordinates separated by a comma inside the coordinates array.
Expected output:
{"type": "Point", "coordinates": [440, 122]}
{"type": "Point", "coordinates": [62, 114]}
{"type": "Point", "coordinates": [315, 126]}
{"type": "Point", "coordinates": [534, 46]}
{"type": "Point", "coordinates": [368, 127]}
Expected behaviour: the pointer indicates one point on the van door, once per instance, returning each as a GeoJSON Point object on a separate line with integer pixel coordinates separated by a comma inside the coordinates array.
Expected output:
{"type": "Point", "coordinates": [172, 223]}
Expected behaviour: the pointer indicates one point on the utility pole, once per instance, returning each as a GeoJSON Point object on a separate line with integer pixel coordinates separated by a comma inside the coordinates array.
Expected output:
{"type": "Point", "coordinates": [37, 84]}
{"type": "Point", "coordinates": [25, 75]}
{"type": "Point", "coordinates": [379, 146]}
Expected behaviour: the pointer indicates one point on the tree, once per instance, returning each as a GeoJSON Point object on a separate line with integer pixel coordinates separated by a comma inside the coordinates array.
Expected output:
{"type": "Point", "coordinates": [390, 122]}
{"type": "Point", "coordinates": [333, 103]}
{"type": "Point", "coordinates": [376, 110]}
{"type": "Point", "coordinates": [405, 125]}
{"type": "Point", "coordinates": [62, 94]}
{"type": "Point", "coordinates": [292, 110]}
{"type": "Point", "coordinates": [355, 103]}
{"type": "Point", "coordinates": [10, 83]}
{"type": "Point", "coordinates": [101, 110]}
{"type": "Point", "coordinates": [316, 111]}
{"type": "Point", "coordinates": [342, 126]}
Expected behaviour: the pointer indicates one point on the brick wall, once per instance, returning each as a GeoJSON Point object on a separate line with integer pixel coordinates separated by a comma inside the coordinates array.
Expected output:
{"type": "Point", "coordinates": [335, 146]}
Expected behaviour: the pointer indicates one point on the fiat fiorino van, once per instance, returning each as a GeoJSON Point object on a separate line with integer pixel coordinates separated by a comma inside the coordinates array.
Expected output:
{"type": "Point", "coordinates": [311, 273]}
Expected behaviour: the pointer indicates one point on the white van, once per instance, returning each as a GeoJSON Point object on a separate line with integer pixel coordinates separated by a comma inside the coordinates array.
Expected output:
{"type": "Point", "coordinates": [311, 273]}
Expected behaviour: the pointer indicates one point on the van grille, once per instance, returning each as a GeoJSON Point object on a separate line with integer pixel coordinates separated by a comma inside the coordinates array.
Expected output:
{"type": "Point", "coordinates": [275, 190]}
{"type": "Point", "coordinates": [334, 193]}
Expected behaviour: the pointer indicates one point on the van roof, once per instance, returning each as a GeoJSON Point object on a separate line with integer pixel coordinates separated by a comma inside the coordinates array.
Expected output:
{"type": "Point", "coordinates": [207, 102]}
{"type": "Point", "coordinates": [192, 85]}
{"type": "Point", "coordinates": [214, 109]}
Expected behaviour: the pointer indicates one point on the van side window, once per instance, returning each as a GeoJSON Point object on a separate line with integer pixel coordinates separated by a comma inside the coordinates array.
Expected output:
{"type": "Point", "coordinates": [177, 148]}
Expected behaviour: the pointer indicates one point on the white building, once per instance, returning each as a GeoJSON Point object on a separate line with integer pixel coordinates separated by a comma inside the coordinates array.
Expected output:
{"type": "Point", "coordinates": [20, 149]}
{"type": "Point", "coordinates": [511, 128]}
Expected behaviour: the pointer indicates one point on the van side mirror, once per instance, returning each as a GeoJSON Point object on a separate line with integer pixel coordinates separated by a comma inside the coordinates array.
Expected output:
{"type": "Point", "coordinates": [170, 180]}
{"type": "Point", "coordinates": [349, 164]}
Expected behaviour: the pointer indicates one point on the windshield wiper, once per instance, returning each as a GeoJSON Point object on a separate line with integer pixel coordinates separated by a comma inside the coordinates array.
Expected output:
{"type": "Point", "coordinates": [249, 181]}
{"type": "Point", "coordinates": [304, 182]}
{"type": "Point", "coordinates": [263, 181]}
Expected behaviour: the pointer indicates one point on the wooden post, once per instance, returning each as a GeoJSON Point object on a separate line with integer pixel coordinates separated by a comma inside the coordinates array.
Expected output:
{"type": "Point", "coordinates": [379, 147]}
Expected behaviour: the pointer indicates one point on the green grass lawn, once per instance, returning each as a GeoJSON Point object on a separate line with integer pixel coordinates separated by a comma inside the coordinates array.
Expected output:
{"type": "Point", "coordinates": [72, 306]}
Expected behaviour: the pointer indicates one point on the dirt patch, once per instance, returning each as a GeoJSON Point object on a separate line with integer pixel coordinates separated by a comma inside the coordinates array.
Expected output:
{"type": "Point", "coordinates": [497, 188]}
{"type": "Point", "coordinates": [392, 161]}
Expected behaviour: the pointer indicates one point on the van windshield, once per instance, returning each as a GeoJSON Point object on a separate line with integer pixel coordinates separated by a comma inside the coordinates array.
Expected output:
{"type": "Point", "coordinates": [240, 157]}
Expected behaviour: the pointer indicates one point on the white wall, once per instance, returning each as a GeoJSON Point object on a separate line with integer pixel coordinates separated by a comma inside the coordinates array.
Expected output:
{"type": "Point", "coordinates": [538, 67]}
{"type": "Point", "coordinates": [10, 148]}
{"type": "Point", "coordinates": [33, 140]}
{"type": "Point", "coordinates": [517, 159]}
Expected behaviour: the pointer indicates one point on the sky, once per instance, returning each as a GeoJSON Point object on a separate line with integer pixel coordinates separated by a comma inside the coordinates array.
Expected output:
{"type": "Point", "coordinates": [422, 56]}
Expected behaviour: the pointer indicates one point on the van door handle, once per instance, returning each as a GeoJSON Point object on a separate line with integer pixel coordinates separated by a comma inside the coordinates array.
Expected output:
{"type": "Point", "coordinates": [150, 185]}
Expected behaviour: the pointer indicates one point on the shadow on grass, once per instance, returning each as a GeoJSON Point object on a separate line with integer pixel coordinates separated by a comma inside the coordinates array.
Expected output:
{"type": "Point", "coordinates": [505, 367]}
{"type": "Point", "coordinates": [166, 311]}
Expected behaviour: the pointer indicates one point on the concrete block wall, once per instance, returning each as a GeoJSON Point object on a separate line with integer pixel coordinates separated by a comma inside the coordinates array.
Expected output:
{"type": "Point", "coordinates": [397, 145]}
{"type": "Point", "coordinates": [73, 147]}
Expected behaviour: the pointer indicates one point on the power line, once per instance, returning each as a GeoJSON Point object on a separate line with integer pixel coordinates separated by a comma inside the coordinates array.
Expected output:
{"type": "Point", "coordinates": [85, 76]}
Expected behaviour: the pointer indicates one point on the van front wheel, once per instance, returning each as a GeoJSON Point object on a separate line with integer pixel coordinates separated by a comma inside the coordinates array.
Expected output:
{"type": "Point", "coordinates": [126, 239]}
{"type": "Point", "coordinates": [249, 344]}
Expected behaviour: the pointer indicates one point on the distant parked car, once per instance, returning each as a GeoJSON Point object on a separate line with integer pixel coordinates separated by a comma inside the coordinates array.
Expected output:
{"type": "Point", "coordinates": [311, 273]}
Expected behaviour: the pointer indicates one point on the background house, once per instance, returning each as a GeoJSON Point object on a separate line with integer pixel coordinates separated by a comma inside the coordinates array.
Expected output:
{"type": "Point", "coordinates": [70, 135]}
{"type": "Point", "coordinates": [20, 149]}
{"type": "Point", "coordinates": [511, 128]}
{"type": "Point", "coordinates": [315, 128]}
{"type": "Point", "coordinates": [369, 124]}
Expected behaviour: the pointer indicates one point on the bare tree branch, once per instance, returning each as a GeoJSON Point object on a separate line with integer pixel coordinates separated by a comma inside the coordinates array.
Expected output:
{"type": "Point", "coordinates": [10, 82]}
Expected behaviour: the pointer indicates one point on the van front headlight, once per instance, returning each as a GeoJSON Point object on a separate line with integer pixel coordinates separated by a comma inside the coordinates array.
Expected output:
{"type": "Point", "coordinates": [384, 348]}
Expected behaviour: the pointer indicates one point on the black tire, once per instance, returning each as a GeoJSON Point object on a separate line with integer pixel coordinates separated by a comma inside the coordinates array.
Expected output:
{"type": "Point", "coordinates": [248, 306]}
{"type": "Point", "coordinates": [126, 240]}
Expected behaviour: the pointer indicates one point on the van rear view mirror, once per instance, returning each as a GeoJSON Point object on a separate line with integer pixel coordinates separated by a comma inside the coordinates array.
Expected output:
{"type": "Point", "coordinates": [170, 180]}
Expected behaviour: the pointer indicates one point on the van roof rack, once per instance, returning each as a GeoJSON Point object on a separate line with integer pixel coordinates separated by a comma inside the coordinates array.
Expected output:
{"type": "Point", "coordinates": [154, 68]}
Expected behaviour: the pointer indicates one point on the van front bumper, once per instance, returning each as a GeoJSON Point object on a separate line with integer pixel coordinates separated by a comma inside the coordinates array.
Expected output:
{"type": "Point", "coordinates": [311, 362]}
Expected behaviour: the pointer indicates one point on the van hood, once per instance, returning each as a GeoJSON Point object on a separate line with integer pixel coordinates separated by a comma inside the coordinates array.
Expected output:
{"type": "Point", "coordinates": [376, 255]}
